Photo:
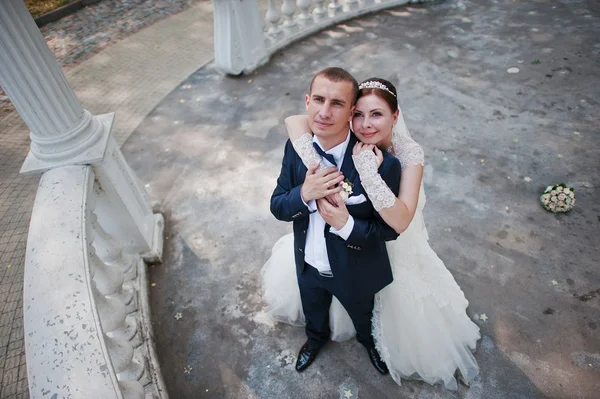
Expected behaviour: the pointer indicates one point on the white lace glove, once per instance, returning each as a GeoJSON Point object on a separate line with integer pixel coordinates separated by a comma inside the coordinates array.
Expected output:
{"type": "Point", "coordinates": [378, 191]}
{"type": "Point", "coordinates": [305, 150]}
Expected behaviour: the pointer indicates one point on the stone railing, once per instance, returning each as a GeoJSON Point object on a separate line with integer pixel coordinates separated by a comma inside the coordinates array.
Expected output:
{"type": "Point", "coordinates": [244, 41]}
{"type": "Point", "coordinates": [85, 301]}
{"type": "Point", "coordinates": [86, 314]}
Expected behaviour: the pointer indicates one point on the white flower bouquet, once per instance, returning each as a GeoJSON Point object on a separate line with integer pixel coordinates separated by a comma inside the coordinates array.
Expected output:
{"type": "Point", "coordinates": [559, 198]}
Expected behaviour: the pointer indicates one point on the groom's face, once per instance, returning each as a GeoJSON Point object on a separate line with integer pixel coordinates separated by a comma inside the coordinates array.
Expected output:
{"type": "Point", "coordinates": [329, 106]}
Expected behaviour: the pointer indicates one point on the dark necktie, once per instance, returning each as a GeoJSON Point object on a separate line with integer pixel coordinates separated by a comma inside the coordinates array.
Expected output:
{"type": "Point", "coordinates": [322, 153]}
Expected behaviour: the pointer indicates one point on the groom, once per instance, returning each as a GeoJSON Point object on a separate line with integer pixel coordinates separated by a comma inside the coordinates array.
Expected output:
{"type": "Point", "coordinates": [339, 246]}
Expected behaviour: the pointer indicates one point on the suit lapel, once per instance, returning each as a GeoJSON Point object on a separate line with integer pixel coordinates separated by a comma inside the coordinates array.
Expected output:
{"type": "Point", "coordinates": [348, 168]}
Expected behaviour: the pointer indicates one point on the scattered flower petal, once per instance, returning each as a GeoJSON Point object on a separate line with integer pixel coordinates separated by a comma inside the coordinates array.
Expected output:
{"type": "Point", "coordinates": [249, 80]}
{"type": "Point", "coordinates": [182, 101]}
{"type": "Point", "coordinates": [147, 185]}
{"type": "Point", "coordinates": [507, 209]}
{"type": "Point", "coordinates": [554, 282]}
{"type": "Point", "coordinates": [513, 70]}
{"type": "Point", "coordinates": [527, 179]}
{"type": "Point", "coordinates": [9, 266]}
{"type": "Point", "coordinates": [153, 284]}
{"type": "Point", "coordinates": [516, 140]}
{"type": "Point", "coordinates": [482, 160]}
{"type": "Point", "coordinates": [445, 158]}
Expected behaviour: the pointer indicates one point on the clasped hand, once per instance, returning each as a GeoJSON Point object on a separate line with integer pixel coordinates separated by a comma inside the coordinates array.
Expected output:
{"type": "Point", "coordinates": [362, 147]}
{"type": "Point", "coordinates": [323, 186]}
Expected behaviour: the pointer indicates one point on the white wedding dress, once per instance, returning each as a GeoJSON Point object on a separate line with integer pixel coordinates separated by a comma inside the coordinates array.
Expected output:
{"type": "Point", "coordinates": [420, 325]}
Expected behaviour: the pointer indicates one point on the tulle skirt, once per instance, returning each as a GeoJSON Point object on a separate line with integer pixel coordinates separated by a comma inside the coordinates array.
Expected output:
{"type": "Point", "coordinates": [420, 325]}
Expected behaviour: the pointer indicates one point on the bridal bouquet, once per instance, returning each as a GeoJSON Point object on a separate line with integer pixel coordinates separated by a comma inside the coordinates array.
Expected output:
{"type": "Point", "coordinates": [559, 198]}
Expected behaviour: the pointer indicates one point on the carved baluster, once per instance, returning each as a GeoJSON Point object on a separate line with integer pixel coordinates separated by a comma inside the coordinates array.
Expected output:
{"type": "Point", "coordinates": [335, 8]}
{"type": "Point", "coordinates": [273, 19]}
{"type": "Point", "coordinates": [132, 389]}
{"type": "Point", "coordinates": [288, 8]}
{"type": "Point", "coordinates": [109, 281]}
{"type": "Point", "coordinates": [114, 320]}
{"type": "Point", "coordinates": [319, 12]}
{"type": "Point", "coordinates": [305, 18]}
{"type": "Point", "coordinates": [111, 251]}
{"type": "Point", "coordinates": [353, 4]}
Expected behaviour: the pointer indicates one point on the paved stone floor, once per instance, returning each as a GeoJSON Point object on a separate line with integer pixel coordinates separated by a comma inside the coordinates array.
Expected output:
{"type": "Point", "coordinates": [532, 273]}
{"type": "Point", "coordinates": [211, 151]}
{"type": "Point", "coordinates": [82, 44]}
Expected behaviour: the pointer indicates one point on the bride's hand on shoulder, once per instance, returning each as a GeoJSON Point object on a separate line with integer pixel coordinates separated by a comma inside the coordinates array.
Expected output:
{"type": "Point", "coordinates": [297, 125]}
{"type": "Point", "coordinates": [361, 147]}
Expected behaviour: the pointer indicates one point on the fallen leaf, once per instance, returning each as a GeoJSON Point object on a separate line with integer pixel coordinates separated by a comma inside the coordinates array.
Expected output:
{"type": "Point", "coordinates": [536, 62]}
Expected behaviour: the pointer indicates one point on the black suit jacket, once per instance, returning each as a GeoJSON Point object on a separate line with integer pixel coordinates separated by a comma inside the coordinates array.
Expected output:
{"type": "Point", "coordinates": [360, 263]}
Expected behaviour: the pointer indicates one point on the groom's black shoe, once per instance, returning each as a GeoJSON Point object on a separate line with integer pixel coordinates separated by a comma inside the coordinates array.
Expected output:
{"type": "Point", "coordinates": [378, 363]}
{"type": "Point", "coordinates": [306, 357]}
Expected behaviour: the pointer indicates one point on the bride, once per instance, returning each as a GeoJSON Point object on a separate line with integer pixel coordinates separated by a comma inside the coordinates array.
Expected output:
{"type": "Point", "coordinates": [420, 325]}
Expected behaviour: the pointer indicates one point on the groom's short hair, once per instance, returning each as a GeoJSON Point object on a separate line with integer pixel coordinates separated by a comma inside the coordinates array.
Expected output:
{"type": "Point", "coordinates": [336, 74]}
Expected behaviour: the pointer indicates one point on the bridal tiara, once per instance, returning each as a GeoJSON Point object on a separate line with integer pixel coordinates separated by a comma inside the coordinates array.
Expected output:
{"type": "Point", "coordinates": [373, 84]}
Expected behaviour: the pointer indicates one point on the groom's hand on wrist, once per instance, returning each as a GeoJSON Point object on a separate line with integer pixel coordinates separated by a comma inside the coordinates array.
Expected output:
{"type": "Point", "coordinates": [320, 184]}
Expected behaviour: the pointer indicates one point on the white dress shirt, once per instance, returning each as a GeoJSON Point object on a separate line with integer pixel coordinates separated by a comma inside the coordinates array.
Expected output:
{"type": "Point", "coordinates": [315, 251]}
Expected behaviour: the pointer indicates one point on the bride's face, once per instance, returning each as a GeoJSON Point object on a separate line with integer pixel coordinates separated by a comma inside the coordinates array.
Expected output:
{"type": "Point", "coordinates": [373, 120]}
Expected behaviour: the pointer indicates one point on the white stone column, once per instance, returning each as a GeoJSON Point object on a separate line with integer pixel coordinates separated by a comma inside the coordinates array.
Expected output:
{"type": "Point", "coordinates": [239, 38]}
{"type": "Point", "coordinates": [62, 132]}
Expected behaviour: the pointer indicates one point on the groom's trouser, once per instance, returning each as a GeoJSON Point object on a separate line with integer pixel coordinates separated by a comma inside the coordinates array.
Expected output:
{"type": "Point", "coordinates": [316, 293]}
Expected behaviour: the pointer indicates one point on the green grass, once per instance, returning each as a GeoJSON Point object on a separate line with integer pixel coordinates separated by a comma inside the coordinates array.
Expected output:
{"type": "Point", "coordinates": [40, 7]}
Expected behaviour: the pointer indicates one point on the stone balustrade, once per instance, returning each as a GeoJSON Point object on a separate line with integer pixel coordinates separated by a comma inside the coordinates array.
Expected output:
{"type": "Point", "coordinates": [86, 313]}
{"type": "Point", "coordinates": [244, 41]}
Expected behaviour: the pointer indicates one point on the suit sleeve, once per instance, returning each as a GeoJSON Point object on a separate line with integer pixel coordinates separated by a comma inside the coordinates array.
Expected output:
{"type": "Point", "coordinates": [286, 201]}
{"type": "Point", "coordinates": [374, 230]}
